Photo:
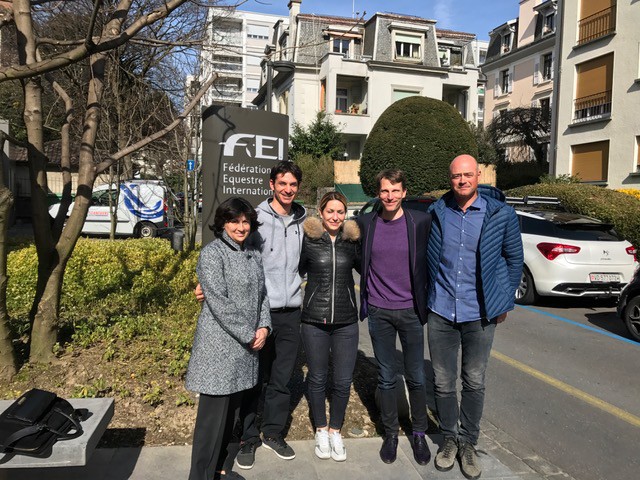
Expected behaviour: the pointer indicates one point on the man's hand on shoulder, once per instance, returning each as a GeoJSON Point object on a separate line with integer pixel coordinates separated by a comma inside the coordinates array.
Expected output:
{"type": "Point", "coordinates": [199, 293]}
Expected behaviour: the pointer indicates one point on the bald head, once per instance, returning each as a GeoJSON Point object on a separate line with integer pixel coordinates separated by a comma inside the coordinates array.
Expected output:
{"type": "Point", "coordinates": [463, 177]}
{"type": "Point", "coordinates": [464, 163]}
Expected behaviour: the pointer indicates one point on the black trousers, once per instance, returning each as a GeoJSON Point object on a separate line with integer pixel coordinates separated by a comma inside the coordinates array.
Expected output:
{"type": "Point", "coordinates": [277, 361]}
{"type": "Point", "coordinates": [216, 417]}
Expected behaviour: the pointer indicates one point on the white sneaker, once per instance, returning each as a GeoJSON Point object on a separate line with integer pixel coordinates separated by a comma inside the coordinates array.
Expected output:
{"type": "Point", "coordinates": [323, 449]}
{"type": "Point", "coordinates": [338, 452]}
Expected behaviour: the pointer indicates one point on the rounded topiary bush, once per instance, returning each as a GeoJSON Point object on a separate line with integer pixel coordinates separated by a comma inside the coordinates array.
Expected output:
{"type": "Point", "coordinates": [421, 136]}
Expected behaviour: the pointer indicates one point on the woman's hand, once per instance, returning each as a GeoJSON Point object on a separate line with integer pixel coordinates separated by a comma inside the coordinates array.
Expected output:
{"type": "Point", "coordinates": [260, 338]}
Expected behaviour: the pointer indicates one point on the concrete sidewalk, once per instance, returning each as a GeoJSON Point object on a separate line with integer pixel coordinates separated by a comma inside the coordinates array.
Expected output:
{"type": "Point", "coordinates": [363, 462]}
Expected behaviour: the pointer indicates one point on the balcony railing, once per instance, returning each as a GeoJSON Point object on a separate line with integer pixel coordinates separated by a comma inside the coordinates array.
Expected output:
{"type": "Point", "coordinates": [592, 107]}
{"type": "Point", "coordinates": [597, 25]}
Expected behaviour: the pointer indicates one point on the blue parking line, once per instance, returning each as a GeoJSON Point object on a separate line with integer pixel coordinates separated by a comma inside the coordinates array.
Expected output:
{"type": "Point", "coordinates": [577, 324]}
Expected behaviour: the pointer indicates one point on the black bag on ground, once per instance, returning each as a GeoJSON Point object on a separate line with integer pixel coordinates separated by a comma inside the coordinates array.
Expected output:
{"type": "Point", "coordinates": [35, 421]}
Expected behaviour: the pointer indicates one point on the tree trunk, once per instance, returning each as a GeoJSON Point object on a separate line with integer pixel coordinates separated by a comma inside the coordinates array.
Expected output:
{"type": "Point", "coordinates": [45, 326]}
{"type": "Point", "coordinates": [8, 367]}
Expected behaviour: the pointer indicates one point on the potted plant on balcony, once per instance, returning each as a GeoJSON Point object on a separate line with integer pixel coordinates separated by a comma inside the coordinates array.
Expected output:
{"type": "Point", "coordinates": [354, 108]}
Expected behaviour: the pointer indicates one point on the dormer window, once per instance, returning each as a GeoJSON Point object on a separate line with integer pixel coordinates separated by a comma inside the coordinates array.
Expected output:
{"type": "Point", "coordinates": [549, 23]}
{"type": "Point", "coordinates": [341, 45]}
{"type": "Point", "coordinates": [450, 56]}
{"type": "Point", "coordinates": [506, 42]}
{"type": "Point", "coordinates": [408, 47]}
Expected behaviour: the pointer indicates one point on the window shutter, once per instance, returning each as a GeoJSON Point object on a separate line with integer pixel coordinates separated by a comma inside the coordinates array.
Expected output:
{"type": "Point", "coordinates": [534, 104]}
{"type": "Point", "coordinates": [552, 66]}
{"type": "Point", "coordinates": [495, 114]}
{"type": "Point", "coordinates": [536, 73]}
{"type": "Point", "coordinates": [496, 87]}
{"type": "Point", "coordinates": [510, 84]}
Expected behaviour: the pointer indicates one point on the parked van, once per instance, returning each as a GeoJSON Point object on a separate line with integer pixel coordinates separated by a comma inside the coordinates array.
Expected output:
{"type": "Point", "coordinates": [144, 209]}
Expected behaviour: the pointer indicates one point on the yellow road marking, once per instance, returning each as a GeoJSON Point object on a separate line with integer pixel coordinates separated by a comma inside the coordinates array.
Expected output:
{"type": "Point", "coordinates": [574, 392]}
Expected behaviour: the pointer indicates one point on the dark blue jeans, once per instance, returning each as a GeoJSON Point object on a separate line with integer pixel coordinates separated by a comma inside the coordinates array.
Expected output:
{"type": "Point", "coordinates": [445, 340]}
{"type": "Point", "coordinates": [342, 342]}
{"type": "Point", "coordinates": [384, 327]}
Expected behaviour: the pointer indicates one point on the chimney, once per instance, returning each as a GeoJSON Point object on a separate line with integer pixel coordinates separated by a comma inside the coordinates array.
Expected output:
{"type": "Point", "coordinates": [294, 10]}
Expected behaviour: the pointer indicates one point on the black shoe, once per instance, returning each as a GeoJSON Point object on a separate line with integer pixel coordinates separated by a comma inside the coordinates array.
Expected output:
{"type": "Point", "coordinates": [280, 447]}
{"type": "Point", "coordinates": [420, 449]}
{"type": "Point", "coordinates": [247, 454]}
{"type": "Point", "coordinates": [228, 476]}
{"type": "Point", "coordinates": [389, 448]}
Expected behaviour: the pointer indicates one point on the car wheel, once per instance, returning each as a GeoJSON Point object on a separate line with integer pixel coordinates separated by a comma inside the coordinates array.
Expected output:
{"type": "Point", "coordinates": [147, 230]}
{"type": "Point", "coordinates": [632, 317]}
{"type": "Point", "coordinates": [526, 291]}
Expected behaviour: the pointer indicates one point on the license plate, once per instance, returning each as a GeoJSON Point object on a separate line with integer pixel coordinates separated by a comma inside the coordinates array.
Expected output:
{"type": "Point", "coordinates": [604, 277]}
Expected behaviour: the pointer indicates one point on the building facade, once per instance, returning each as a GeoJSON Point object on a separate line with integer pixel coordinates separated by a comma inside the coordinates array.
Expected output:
{"type": "Point", "coordinates": [519, 67]}
{"type": "Point", "coordinates": [353, 69]}
{"type": "Point", "coordinates": [596, 127]}
{"type": "Point", "coordinates": [234, 50]}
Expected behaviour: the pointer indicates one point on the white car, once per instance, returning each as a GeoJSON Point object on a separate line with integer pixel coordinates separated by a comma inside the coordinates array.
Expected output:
{"type": "Point", "coordinates": [570, 255]}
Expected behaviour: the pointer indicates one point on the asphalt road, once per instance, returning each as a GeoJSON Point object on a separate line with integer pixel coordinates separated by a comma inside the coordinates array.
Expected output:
{"type": "Point", "coordinates": [562, 381]}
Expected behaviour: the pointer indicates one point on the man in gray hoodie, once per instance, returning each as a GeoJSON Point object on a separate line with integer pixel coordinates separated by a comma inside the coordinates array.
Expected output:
{"type": "Point", "coordinates": [279, 239]}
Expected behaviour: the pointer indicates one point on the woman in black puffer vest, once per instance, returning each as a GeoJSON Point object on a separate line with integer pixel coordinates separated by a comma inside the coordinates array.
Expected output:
{"type": "Point", "coordinates": [330, 252]}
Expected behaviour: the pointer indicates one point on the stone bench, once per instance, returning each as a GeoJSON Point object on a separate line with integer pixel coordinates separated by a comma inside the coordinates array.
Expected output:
{"type": "Point", "coordinates": [74, 451]}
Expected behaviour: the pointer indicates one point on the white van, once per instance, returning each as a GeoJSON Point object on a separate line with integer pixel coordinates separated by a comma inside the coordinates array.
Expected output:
{"type": "Point", "coordinates": [143, 209]}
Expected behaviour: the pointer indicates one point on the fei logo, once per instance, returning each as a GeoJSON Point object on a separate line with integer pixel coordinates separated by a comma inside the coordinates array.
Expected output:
{"type": "Point", "coordinates": [256, 146]}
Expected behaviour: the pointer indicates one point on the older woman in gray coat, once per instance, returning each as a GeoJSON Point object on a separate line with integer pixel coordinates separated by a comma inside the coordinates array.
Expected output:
{"type": "Point", "coordinates": [232, 328]}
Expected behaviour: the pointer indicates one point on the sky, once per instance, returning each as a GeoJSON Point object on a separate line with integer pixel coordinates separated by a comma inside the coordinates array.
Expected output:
{"type": "Point", "coordinates": [472, 16]}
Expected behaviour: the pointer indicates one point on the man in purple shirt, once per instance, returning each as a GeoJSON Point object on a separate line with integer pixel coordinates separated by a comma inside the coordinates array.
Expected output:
{"type": "Point", "coordinates": [393, 296]}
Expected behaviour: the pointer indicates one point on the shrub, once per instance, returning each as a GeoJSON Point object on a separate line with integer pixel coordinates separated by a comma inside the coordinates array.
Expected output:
{"type": "Point", "coordinates": [316, 173]}
{"type": "Point", "coordinates": [420, 136]}
{"type": "Point", "coordinates": [516, 174]}
{"type": "Point", "coordinates": [619, 209]}
{"type": "Point", "coordinates": [105, 282]}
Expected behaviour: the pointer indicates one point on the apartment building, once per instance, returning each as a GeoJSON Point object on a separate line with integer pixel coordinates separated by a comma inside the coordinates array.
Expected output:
{"type": "Point", "coordinates": [596, 127]}
{"type": "Point", "coordinates": [520, 66]}
{"type": "Point", "coordinates": [235, 50]}
{"type": "Point", "coordinates": [354, 69]}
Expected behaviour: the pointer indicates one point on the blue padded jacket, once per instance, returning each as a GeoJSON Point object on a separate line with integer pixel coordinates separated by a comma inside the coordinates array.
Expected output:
{"type": "Point", "coordinates": [499, 254]}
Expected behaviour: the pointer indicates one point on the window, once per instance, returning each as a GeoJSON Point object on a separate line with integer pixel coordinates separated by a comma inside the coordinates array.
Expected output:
{"type": "Point", "coordinates": [253, 85]}
{"type": "Point", "coordinates": [504, 85]}
{"type": "Point", "coordinates": [408, 47]}
{"type": "Point", "coordinates": [590, 161]}
{"type": "Point", "coordinates": [545, 107]}
{"type": "Point", "coordinates": [547, 66]}
{"type": "Point", "coordinates": [258, 32]}
{"type": "Point", "coordinates": [342, 100]}
{"type": "Point", "coordinates": [482, 57]}
{"type": "Point", "coordinates": [597, 19]}
{"type": "Point", "coordinates": [506, 42]}
{"type": "Point", "coordinates": [450, 56]}
{"type": "Point", "coordinates": [593, 91]}
{"type": "Point", "coordinates": [399, 94]}
{"type": "Point", "coordinates": [341, 45]}
{"type": "Point", "coordinates": [549, 23]}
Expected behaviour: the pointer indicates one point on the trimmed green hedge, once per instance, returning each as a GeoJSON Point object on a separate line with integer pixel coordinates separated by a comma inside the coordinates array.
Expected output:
{"type": "Point", "coordinates": [106, 280]}
{"type": "Point", "coordinates": [420, 136]}
{"type": "Point", "coordinates": [617, 208]}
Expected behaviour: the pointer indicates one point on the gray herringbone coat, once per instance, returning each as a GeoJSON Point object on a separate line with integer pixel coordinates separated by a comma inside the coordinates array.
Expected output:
{"type": "Point", "coordinates": [235, 306]}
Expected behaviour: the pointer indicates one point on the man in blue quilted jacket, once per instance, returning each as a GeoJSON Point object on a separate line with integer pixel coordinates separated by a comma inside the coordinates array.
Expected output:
{"type": "Point", "coordinates": [474, 258]}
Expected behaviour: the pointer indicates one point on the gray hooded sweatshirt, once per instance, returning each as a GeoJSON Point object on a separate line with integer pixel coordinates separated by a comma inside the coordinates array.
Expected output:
{"type": "Point", "coordinates": [280, 245]}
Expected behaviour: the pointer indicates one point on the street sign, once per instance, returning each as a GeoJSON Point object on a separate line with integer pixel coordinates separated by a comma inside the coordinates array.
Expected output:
{"type": "Point", "coordinates": [191, 165]}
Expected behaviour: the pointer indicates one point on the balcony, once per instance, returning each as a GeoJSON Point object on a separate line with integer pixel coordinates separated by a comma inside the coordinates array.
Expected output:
{"type": "Point", "coordinates": [597, 25]}
{"type": "Point", "coordinates": [592, 107]}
